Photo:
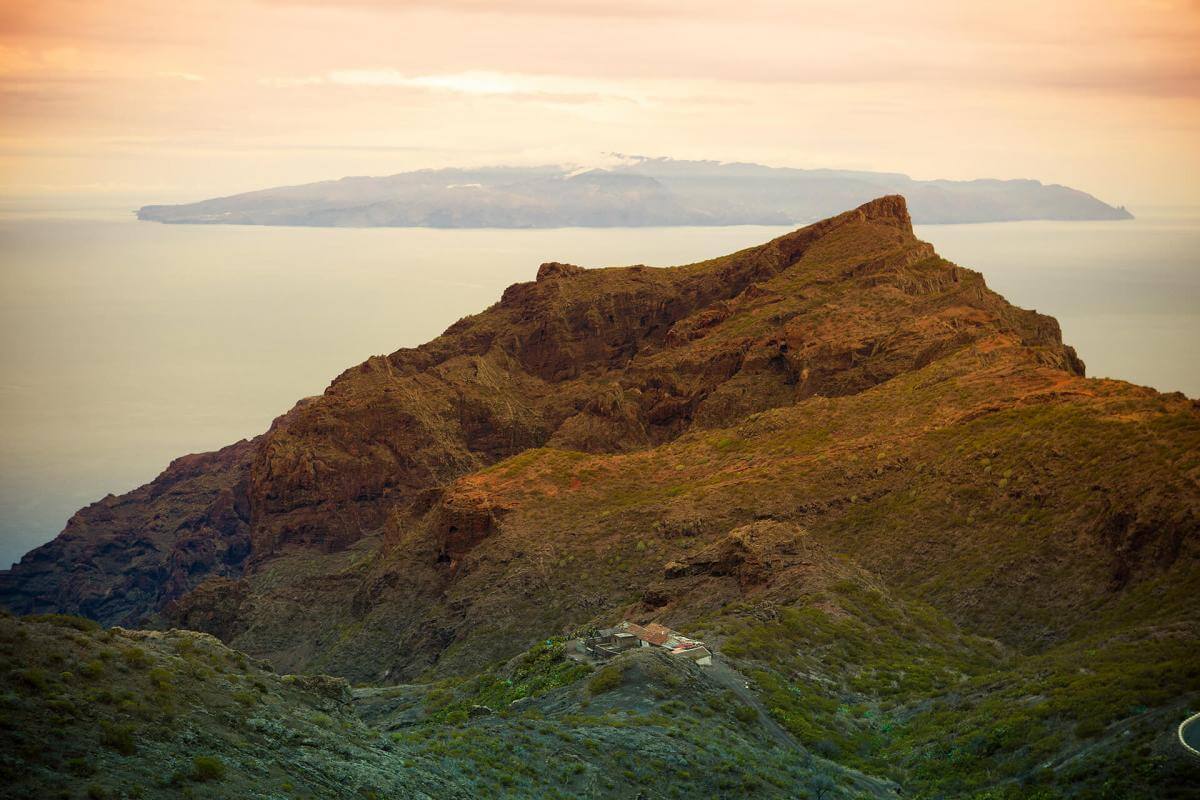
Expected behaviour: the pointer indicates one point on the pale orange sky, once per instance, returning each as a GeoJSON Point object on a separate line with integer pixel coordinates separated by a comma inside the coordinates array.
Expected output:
{"type": "Point", "coordinates": [164, 101]}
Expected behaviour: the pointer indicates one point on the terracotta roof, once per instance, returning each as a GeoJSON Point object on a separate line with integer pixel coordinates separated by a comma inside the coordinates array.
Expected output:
{"type": "Point", "coordinates": [658, 634]}
{"type": "Point", "coordinates": [652, 633]}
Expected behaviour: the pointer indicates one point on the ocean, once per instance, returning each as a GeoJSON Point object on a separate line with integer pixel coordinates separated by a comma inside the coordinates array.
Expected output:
{"type": "Point", "coordinates": [126, 344]}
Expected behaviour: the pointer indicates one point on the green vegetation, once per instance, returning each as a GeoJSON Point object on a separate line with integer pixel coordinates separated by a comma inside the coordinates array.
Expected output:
{"type": "Point", "coordinates": [158, 700]}
{"type": "Point", "coordinates": [118, 736]}
{"type": "Point", "coordinates": [861, 677]}
{"type": "Point", "coordinates": [160, 678]}
{"type": "Point", "coordinates": [653, 729]}
{"type": "Point", "coordinates": [936, 555]}
{"type": "Point", "coordinates": [66, 621]}
{"type": "Point", "coordinates": [208, 768]}
{"type": "Point", "coordinates": [539, 670]}
{"type": "Point", "coordinates": [606, 679]}
{"type": "Point", "coordinates": [1028, 722]}
{"type": "Point", "coordinates": [891, 688]}
{"type": "Point", "coordinates": [745, 715]}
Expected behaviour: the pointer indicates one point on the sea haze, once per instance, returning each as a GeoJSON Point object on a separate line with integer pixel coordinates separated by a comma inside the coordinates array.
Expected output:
{"type": "Point", "coordinates": [128, 344]}
{"type": "Point", "coordinates": [641, 192]}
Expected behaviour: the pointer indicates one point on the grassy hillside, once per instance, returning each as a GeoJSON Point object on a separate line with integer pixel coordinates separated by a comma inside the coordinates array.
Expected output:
{"type": "Point", "coordinates": [942, 561]}
{"type": "Point", "coordinates": [95, 713]}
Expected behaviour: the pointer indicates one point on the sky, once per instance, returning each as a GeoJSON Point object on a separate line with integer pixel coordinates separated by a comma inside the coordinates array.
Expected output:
{"type": "Point", "coordinates": [165, 101]}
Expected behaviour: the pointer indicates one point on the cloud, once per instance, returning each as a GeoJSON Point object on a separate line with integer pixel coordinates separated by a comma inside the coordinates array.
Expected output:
{"type": "Point", "coordinates": [554, 8]}
{"type": "Point", "coordinates": [464, 83]}
{"type": "Point", "coordinates": [517, 86]}
{"type": "Point", "coordinates": [275, 91]}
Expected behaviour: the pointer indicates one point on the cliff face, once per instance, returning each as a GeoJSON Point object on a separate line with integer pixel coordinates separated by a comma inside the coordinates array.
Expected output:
{"type": "Point", "coordinates": [121, 558]}
{"type": "Point", "coordinates": [939, 554]}
{"type": "Point", "coordinates": [619, 359]}
{"type": "Point", "coordinates": [541, 463]}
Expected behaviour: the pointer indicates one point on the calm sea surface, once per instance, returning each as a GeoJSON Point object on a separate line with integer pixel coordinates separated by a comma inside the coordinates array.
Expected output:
{"type": "Point", "coordinates": [126, 344]}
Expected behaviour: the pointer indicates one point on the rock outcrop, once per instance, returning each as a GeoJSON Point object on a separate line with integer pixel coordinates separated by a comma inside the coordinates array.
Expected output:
{"type": "Point", "coordinates": [123, 558]}
{"type": "Point", "coordinates": [533, 469]}
{"type": "Point", "coordinates": [752, 554]}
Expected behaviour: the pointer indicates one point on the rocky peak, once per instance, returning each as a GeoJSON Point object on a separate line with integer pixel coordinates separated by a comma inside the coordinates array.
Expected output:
{"type": "Point", "coordinates": [595, 360]}
{"type": "Point", "coordinates": [553, 269]}
{"type": "Point", "coordinates": [890, 209]}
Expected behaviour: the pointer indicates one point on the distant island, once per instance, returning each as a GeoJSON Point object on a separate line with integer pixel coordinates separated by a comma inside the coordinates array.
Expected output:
{"type": "Point", "coordinates": [638, 192]}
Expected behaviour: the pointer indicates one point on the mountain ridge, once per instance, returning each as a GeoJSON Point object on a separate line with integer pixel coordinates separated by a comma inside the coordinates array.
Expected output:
{"type": "Point", "coordinates": [637, 192]}
{"type": "Point", "coordinates": [482, 392]}
{"type": "Point", "coordinates": [843, 461]}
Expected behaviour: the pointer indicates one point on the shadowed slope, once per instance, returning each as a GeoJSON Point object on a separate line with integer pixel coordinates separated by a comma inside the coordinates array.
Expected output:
{"type": "Point", "coordinates": [601, 360]}
{"type": "Point", "coordinates": [375, 496]}
{"type": "Point", "coordinates": [939, 553]}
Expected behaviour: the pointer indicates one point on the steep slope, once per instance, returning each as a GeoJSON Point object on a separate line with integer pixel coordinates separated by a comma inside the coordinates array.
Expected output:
{"type": "Point", "coordinates": [594, 360]}
{"type": "Point", "coordinates": [114, 713]}
{"type": "Point", "coordinates": [889, 495]}
{"type": "Point", "coordinates": [122, 556]}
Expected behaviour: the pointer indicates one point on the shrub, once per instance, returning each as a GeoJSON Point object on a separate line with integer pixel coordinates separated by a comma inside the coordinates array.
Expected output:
{"type": "Point", "coordinates": [438, 699]}
{"type": "Point", "coordinates": [91, 669]}
{"type": "Point", "coordinates": [62, 705]}
{"type": "Point", "coordinates": [745, 714]}
{"type": "Point", "coordinates": [827, 748]}
{"type": "Point", "coordinates": [207, 768]}
{"type": "Point", "coordinates": [34, 677]}
{"type": "Point", "coordinates": [160, 677]}
{"type": "Point", "coordinates": [79, 766]}
{"type": "Point", "coordinates": [606, 679]}
{"type": "Point", "coordinates": [136, 657]}
{"type": "Point", "coordinates": [119, 738]}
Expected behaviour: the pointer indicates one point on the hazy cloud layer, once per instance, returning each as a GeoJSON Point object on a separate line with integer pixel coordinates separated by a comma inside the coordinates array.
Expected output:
{"type": "Point", "coordinates": [1101, 95]}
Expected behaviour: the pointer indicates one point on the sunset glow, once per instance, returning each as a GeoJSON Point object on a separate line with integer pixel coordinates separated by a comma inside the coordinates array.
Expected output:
{"type": "Point", "coordinates": [181, 100]}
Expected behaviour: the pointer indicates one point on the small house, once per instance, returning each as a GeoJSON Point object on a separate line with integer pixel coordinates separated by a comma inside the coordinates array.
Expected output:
{"type": "Point", "coordinates": [628, 635]}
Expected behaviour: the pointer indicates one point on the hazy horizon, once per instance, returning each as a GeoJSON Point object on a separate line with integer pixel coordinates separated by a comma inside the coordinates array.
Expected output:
{"type": "Point", "coordinates": [361, 489]}
{"type": "Point", "coordinates": [171, 103]}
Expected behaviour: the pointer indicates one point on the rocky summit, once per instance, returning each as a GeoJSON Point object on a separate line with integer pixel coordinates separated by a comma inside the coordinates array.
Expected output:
{"type": "Point", "coordinates": [932, 557]}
